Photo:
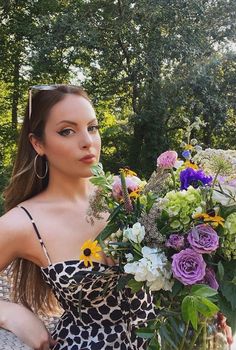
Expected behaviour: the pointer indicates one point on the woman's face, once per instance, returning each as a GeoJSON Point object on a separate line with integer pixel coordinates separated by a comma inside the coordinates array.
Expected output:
{"type": "Point", "coordinates": [71, 133]}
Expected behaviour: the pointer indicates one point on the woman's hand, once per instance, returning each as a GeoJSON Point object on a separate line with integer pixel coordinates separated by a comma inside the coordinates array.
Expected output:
{"type": "Point", "coordinates": [26, 326]}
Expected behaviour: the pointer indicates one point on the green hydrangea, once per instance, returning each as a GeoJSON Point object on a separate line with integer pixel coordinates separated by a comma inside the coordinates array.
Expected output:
{"type": "Point", "coordinates": [228, 240]}
{"type": "Point", "coordinates": [181, 206]}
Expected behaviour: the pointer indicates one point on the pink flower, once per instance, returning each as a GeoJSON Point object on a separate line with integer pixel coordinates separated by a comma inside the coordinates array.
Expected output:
{"type": "Point", "coordinates": [132, 183]}
{"type": "Point", "coordinates": [167, 160]}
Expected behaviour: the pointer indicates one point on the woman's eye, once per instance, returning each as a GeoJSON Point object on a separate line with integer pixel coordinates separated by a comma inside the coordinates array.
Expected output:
{"type": "Point", "coordinates": [66, 132]}
{"type": "Point", "coordinates": [93, 128]}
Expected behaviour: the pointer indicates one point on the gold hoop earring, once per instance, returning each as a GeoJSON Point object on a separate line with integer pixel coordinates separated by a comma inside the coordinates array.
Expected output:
{"type": "Point", "coordinates": [35, 168]}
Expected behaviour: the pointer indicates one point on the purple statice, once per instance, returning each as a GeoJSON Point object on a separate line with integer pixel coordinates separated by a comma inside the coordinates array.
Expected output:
{"type": "Point", "coordinates": [195, 178]}
{"type": "Point", "coordinates": [210, 278]}
{"type": "Point", "coordinates": [175, 241]}
{"type": "Point", "coordinates": [203, 239]}
{"type": "Point", "coordinates": [188, 266]}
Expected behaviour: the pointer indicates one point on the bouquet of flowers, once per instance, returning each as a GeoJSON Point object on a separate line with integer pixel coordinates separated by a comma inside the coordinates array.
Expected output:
{"type": "Point", "coordinates": [176, 236]}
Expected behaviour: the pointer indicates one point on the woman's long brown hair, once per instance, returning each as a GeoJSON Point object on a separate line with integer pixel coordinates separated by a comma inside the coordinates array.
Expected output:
{"type": "Point", "coordinates": [29, 287]}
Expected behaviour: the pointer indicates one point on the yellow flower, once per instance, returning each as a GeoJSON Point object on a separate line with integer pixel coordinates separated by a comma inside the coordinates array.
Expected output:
{"type": "Point", "coordinates": [188, 147]}
{"type": "Point", "coordinates": [90, 251]}
{"type": "Point", "coordinates": [215, 220]}
{"type": "Point", "coordinates": [189, 164]}
{"type": "Point", "coordinates": [128, 172]}
{"type": "Point", "coordinates": [134, 194]}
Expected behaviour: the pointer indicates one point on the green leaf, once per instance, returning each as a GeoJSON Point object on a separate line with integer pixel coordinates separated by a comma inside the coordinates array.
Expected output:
{"type": "Point", "coordinates": [228, 290]}
{"type": "Point", "coordinates": [154, 344]}
{"type": "Point", "coordinates": [164, 334]}
{"type": "Point", "coordinates": [176, 288]}
{"type": "Point", "coordinates": [146, 332]}
{"type": "Point", "coordinates": [226, 309]}
{"type": "Point", "coordinates": [123, 281]}
{"type": "Point", "coordinates": [206, 307]}
{"type": "Point", "coordinates": [135, 285]}
{"type": "Point", "coordinates": [202, 290]}
{"type": "Point", "coordinates": [221, 270]}
{"type": "Point", "coordinates": [107, 231]}
{"type": "Point", "coordinates": [189, 311]}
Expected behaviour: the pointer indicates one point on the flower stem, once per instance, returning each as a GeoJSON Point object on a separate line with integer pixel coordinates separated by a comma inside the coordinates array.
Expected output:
{"type": "Point", "coordinates": [195, 337]}
{"type": "Point", "coordinates": [127, 201]}
{"type": "Point", "coordinates": [184, 337]}
{"type": "Point", "coordinates": [173, 178]}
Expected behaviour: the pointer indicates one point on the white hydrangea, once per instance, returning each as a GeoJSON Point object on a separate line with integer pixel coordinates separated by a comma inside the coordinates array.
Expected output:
{"type": "Point", "coordinates": [135, 234]}
{"type": "Point", "coordinates": [129, 257]}
{"type": "Point", "coordinates": [152, 268]}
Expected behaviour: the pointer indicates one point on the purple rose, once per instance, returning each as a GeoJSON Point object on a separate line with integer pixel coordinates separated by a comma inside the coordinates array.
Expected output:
{"type": "Point", "coordinates": [175, 241]}
{"type": "Point", "coordinates": [210, 279]}
{"type": "Point", "coordinates": [195, 178]}
{"type": "Point", "coordinates": [203, 239]}
{"type": "Point", "coordinates": [188, 266]}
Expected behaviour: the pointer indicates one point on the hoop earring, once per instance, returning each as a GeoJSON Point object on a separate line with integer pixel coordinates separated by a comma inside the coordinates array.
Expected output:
{"type": "Point", "coordinates": [35, 168]}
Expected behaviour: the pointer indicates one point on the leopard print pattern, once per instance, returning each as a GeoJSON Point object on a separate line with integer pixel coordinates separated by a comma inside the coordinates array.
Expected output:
{"type": "Point", "coordinates": [96, 314]}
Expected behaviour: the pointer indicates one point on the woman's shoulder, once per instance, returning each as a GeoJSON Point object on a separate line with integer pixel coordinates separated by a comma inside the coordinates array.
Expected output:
{"type": "Point", "coordinates": [12, 221]}
{"type": "Point", "coordinates": [12, 236]}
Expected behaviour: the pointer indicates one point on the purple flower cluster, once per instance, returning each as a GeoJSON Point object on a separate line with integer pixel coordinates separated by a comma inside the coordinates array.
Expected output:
{"type": "Point", "coordinates": [175, 241]}
{"type": "Point", "coordinates": [188, 265]}
{"type": "Point", "coordinates": [203, 239]}
{"type": "Point", "coordinates": [191, 177]}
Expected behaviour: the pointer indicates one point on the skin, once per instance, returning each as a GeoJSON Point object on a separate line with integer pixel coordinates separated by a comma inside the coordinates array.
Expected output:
{"type": "Point", "coordinates": [59, 211]}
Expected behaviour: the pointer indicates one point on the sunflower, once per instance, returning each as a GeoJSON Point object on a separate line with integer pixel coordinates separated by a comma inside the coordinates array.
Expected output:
{"type": "Point", "coordinates": [90, 251]}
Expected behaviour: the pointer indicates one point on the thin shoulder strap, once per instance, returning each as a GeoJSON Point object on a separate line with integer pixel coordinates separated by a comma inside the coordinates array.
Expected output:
{"type": "Point", "coordinates": [37, 233]}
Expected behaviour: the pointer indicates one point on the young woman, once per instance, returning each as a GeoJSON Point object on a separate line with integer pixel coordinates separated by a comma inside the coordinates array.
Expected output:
{"type": "Point", "coordinates": [45, 226]}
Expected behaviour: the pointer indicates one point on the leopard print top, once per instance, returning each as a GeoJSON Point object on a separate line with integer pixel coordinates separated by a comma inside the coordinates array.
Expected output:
{"type": "Point", "coordinates": [96, 314]}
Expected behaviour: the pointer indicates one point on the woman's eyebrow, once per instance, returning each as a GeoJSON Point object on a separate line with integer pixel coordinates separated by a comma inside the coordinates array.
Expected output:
{"type": "Point", "coordinates": [74, 123]}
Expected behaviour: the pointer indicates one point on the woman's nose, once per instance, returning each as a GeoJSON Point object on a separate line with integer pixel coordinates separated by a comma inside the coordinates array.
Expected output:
{"type": "Point", "coordinates": [85, 140]}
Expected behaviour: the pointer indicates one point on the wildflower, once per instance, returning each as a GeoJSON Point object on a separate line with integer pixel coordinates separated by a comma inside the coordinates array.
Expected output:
{"type": "Point", "coordinates": [90, 251]}
{"type": "Point", "coordinates": [190, 164]}
{"type": "Point", "coordinates": [194, 178]}
{"type": "Point", "coordinates": [128, 172]}
{"type": "Point", "coordinates": [167, 160]}
{"type": "Point", "coordinates": [216, 220]}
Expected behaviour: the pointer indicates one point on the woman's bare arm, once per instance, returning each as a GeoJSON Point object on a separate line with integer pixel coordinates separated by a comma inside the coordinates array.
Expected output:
{"type": "Point", "coordinates": [14, 317]}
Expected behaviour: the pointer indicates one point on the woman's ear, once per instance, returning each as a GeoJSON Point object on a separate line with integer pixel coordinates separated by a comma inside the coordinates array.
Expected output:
{"type": "Point", "coordinates": [37, 144]}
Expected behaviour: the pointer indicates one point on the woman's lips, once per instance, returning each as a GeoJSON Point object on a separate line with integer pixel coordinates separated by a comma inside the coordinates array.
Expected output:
{"type": "Point", "coordinates": [89, 159]}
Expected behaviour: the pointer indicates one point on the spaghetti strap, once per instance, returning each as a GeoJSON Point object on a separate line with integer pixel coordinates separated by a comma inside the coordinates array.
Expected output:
{"type": "Point", "coordinates": [37, 233]}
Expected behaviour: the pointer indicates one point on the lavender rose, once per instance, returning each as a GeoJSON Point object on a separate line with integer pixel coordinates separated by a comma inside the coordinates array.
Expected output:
{"type": "Point", "coordinates": [210, 279]}
{"type": "Point", "coordinates": [203, 239]}
{"type": "Point", "coordinates": [188, 266]}
{"type": "Point", "coordinates": [175, 241]}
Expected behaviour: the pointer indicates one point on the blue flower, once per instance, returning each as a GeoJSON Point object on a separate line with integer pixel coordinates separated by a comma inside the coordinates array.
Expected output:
{"type": "Point", "coordinates": [195, 178]}
{"type": "Point", "coordinates": [186, 154]}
